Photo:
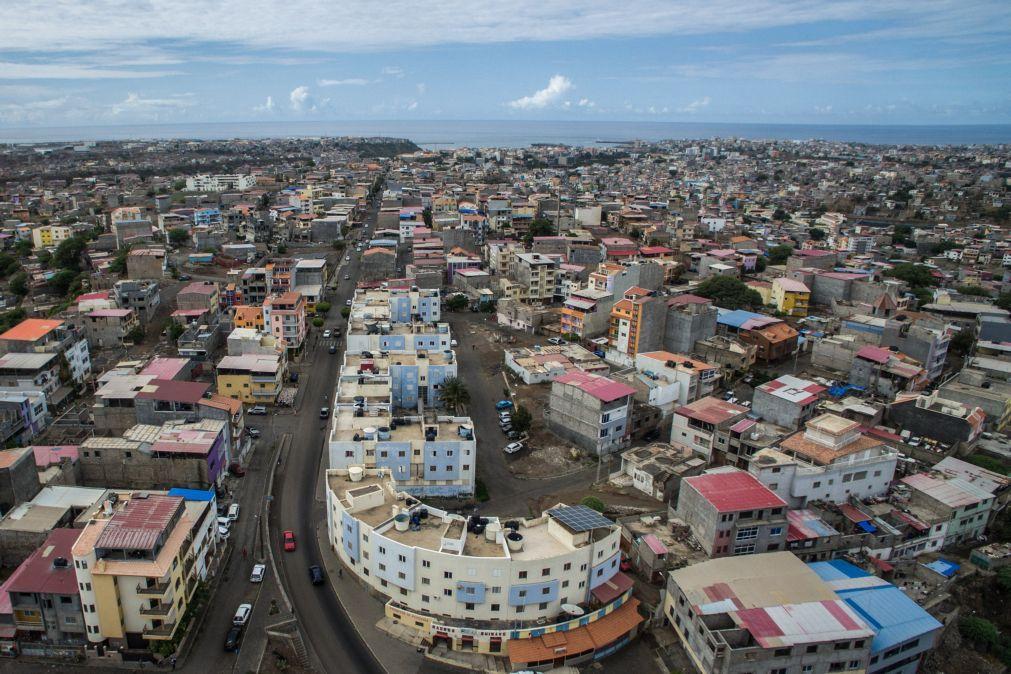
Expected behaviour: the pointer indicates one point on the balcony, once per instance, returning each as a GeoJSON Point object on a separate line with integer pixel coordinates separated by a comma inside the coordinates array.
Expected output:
{"type": "Point", "coordinates": [163, 631]}
{"type": "Point", "coordinates": [159, 611]}
{"type": "Point", "coordinates": [155, 590]}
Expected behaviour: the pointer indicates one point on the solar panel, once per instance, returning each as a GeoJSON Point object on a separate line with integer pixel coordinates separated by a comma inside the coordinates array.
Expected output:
{"type": "Point", "coordinates": [580, 518]}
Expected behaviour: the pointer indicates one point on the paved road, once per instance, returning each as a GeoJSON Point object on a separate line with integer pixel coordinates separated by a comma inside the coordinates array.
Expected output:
{"type": "Point", "coordinates": [330, 634]}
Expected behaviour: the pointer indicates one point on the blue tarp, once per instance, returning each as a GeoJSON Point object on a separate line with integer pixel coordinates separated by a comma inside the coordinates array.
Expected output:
{"type": "Point", "coordinates": [192, 494]}
{"type": "Point", "coordinates": [867, 526]}
{"type": "Point", "coordinates": [943, 567]}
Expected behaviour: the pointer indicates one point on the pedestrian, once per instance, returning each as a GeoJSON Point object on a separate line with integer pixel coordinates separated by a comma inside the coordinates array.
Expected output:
{"type": "Point", "coordinates": [340, 572]}
{"type": "Point", "coordinates": [172, 662]}
{"type": "Point", "coordinates": [243, 553]}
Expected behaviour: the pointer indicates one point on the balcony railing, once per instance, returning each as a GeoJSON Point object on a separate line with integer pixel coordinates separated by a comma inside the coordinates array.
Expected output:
{"type": "Point", "coordinates": [158, 611]}
{"type": "Point", "coordinates": [163, 631]}
{"type": "Point", "coordinates": [157, 589]}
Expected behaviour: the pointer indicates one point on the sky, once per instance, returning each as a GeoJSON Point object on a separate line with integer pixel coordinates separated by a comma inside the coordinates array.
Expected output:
{"type": "Point", "coordinates": [91, 62]}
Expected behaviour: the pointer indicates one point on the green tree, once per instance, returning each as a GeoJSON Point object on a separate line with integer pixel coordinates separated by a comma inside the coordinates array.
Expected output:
{"type": "Point", "coordinates": [63, 281]}
{"type": "Point", "coordinates": [175, 330]}
{"type": "Point", "coordinates": [456, 302]}
{"type": "Point", "coordinates": [118, 264]}
{"type": "Point", "coordinates": [916, 275]}
{"type": "Point", "coordinates": [1004, 578]}
{"type": "Point", "coordinates": [816, 234]}
{"type": "Point", "coordinates": [426, 216]}
{"type": "Point", "coordinates": [68, 253]}
{"type": "Point", "coordinates": [136, 335]}
{"type": "Point", "coordinates": [1004, 301]}
{"type": "Point", "coordinates": [539, 227]}
{"type": "Point", "coordinates": [454, 393]}
{"type": "Point", "coordinates": [778, 254]}
{"type": "Point", "coordinates": [522, 419]}
{"type": "Point", "coordinates": [44, 257]}
{"type": "Point", "coordinates": [979, 630]}
{"type": "Point", "coordinates": [23, 247]}
{"type": "Point", "coordinates": [339, 245]}
{"type": "Point", "coordinates": [179, 185]}
{"type": "Point", "coordinates": [902, 235]}
{"type": "Point", "coordinates": [322, 308]}
{"type": "Point", "coordinates": [178, 236]}
{"type": "Point", "coordinates": [593, 503]}
{"type": "Point", "coordinates": [962, 342]}
{"type": "Point", "coordinates": [943, 247]}
{"type": "Point", "coordinates": [282, 249]}
{"type": "Point", "coordinates": [729, 293]}
{"type": "Point", "coordinates": [780, 215]}
{"type": "Point", "coordinates": [760, 265]}
{"type": "Point", "coordinates": [317, 322]}
{"type": "Point", "coordinates": [8, 265]}
{"type": "Point", "coordinates": [19, 284]}
{"type": "Point", "coordinates": [975, 291]}
{"type": "Point", "coordinates": [345, 312]}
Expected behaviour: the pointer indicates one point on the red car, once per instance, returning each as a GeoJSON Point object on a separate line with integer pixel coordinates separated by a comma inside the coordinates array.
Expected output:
{"type": "Point", "coordinates": [289, 541]}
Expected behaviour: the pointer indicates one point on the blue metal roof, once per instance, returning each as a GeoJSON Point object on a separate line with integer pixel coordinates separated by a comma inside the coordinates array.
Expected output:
{"type": "Point", "coordinates": [943, 567]}
{"type": "Point", "coordinates": [192, 494]}
{"type": "Point", "coordinates": [894, 617]}
{"type": "Point", "coordinates": [737, 317]}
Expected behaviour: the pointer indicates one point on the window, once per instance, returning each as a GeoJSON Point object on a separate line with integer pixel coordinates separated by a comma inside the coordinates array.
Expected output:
{"type": "Point", "coordinates": [447, 592]}
{"type": "Point", "coordinates": [744, 549]}
{"type": "Point", "coordinates": [545, 590]}
{"type": "Point", "coordinates": [426, 581]}
{"type": "Point", "coordinates": [66, 600]}
{"type": "Point", "coordinates": [494, 607]}
{"type": "Point", "coordinates": [565, 583]}
{"type": "Point", "coordinates": [747, 533]}
{"type": "Point", "coordinates": [425, 598]}
{"type": "Point", "coordinates": [523, 574]}
{"type": "Point", "coordinates": [426, 564]}
{"type": "Point", "coordinates": [775, 531]}
{"type": "Point", "coordinates": [568, 566]}
{"type": "Point", "coordinates": [841, 645]}
{"type": "Point", "coordinates": [401, 558]}
{"type": "Point", "coordinates": [782, 653]}
{"type": "Point", "coordinates": [469, 606]}
{"type": "Point", "coordinates": [448, 575]}
{"type": "Point", "coordinates": [546, 572]}
{"type": "Point", "coordinates": [813, 648]}
{"type": "Point", "coordinates": [543, 605]}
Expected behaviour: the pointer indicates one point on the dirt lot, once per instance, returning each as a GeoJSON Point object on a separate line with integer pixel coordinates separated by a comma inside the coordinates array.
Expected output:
{"type": "Point", "coordinates": [618, 500]}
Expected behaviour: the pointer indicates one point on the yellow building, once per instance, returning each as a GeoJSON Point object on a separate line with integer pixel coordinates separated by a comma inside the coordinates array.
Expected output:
{"type": "Point", "coordinates": [248, 317]}
{"type": "Point", "coordinates": [138, 563]}
{"type": "Point", "coordinates": [790, 296]}
{"type": "Point", "coordinates": [251, 378]}
{"type": "Point", "coordinates": [48, 236]}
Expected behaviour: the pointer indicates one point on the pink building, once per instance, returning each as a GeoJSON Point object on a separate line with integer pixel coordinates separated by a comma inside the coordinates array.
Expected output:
{"type": "Point", "coordinates": [284, 317]}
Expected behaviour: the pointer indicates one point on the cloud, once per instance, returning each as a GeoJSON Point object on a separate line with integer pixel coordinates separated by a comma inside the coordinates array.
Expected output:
{"type": "Point", "coordinates": [413, 105]}
{"type": "Point", "coordinates": [348, 82]}
{"type": "Point", "coordinates": [695, 105]}
{"type": "Point", "coordinates": [31, 111]}
{"type": "Point", "coordinates": [393, 71]}
{"type": "Point", "coordinates": [61, 71]}
{"type": "Point", "coordinates": [300, 98]}
{"type": "Point", "coordinates": [557, 86]}
{"type": "Point", "coordinates": [137, 103]}
{"type": "Point", "coordinates": [268, 105]}
{"type": "Point", "coordinates": [586, 103]}
{"type": "Point", "coordinates": [420, 86]}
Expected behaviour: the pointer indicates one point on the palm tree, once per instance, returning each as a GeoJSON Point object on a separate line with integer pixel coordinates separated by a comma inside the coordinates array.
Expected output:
{"type": "Point", "coordinates": [454, 393]}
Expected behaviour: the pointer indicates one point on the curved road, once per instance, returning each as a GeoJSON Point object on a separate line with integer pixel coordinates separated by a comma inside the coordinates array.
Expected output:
{"type": "Point", "coordinates": [329, 631]}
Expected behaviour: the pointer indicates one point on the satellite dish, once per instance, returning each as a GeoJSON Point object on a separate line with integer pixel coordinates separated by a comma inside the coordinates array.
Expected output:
{"type": "Point", "coordinates": [572, 609]}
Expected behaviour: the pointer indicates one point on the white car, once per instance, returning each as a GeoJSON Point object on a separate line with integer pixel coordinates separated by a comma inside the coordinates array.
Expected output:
{"type": "Point", "coordinates": [224, 522]}
{"type": "Point", "coordinates": [327, 334]}
{"type": "Point", "coordinates": [453, 343]}
{"type": "Point", "coordinates": [223, 533]}
{"type": "Point", "coordinates": [347, 277]}
{"type": "Point", "coordinates": [557, 341]}
{"type": "Point", "coordinates": [257, 409]}
{"type": "Point", "coordinates": [512, 447]}
{"type": "Point", "coordinates": [348, 303]}
{"type": "Point", "coordinates": [259, 571]}
{"type": "Point", "coordinates": [347, 258]}
{"type": "Point", "coordinates": [241, 616]}
{"type": "Point", "coordinates": [233, 512]}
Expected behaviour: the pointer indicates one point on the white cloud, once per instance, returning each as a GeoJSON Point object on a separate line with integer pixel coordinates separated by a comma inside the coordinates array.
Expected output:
{"type": "Point", "coordinates": [30, 111]}
{"type": "Point", "coordinates": [300, 98]}
{"type": "Point", "coordinates": [348, 82]}
{"type": "Point", "coordinates": [695, 105]}
{"type": "Point", "coordinates": [268, 105]}
{"type": "Point", "coordinates": [420, 86]}
{"type": "Point", "coordinates": [393, 71]}
{"type": "Point", "coordinates": [558, 85]}
{"type": "Point", "coordinates": [138, 104]}
{"type": "Point", "coordinates": [586, 103]}
{"type": "Point", "coordinates": [61, 71]}
{"type": "Point", "coordinates": [413, 105]}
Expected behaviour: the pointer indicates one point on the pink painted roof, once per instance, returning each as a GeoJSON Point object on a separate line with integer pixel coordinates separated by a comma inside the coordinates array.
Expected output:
{"type": "Point", "coordinates": [711, 410]}
{"type": "Point", "coordinates": [47, 455]}
{"type": "Point", "coordinates": [37, 573]}
{"type": "Point", "coordinates": [601, 388]}
{"type": "Point", "coordinates": [111, 313]}
{"type": "Point", "coordinates": [654, 544]}
{"type": "Point", "coordinates": [734, 491]}
{"type": "Point", "coordinates": [100, 295]}
{"type": "Point", "coordinates": [792, 285]}
{"type": "Point", "coordinates": [166, 368]}
{"type": "Point", "coordinates": [874, 353]}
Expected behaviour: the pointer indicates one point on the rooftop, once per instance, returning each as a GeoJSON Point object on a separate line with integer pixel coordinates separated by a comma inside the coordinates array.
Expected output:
{"type": "Point", "coordinates": [601, 388]}
{"type": "Point", "coordinates": [31, 329]}
{"type": "Point", "coordinates": [711, 410]}
{"type": "Point", "coordinates": [139, 523]}
{"type": "Point", "coordinates": [733, 490]}
{"type": "Point", "coordinates": [953, 492]}
{"type": "Point", "coordinates": [41, 573]}
{"type": "Point", "coordinates": [793, 389]}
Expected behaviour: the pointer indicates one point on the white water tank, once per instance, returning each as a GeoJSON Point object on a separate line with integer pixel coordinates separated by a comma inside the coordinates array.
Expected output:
{"type": "Point", "coordinates": [491, 531]}
{"type": "Point", "coordinates": [356, 473]}
{"type": "Point", "coordinates": [514, 540]}
{"type": "Point", "coordinates": [370, 432]}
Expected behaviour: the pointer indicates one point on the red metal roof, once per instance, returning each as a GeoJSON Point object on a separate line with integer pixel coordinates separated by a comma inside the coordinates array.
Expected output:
{"type": "Point", "coordinates": [611, 589]}
{"type": "Point", "coordinates": [140, 522]}
{"type": "Point", "coordinates": [37, 573]}
{"type": "Point", "coordinates": [601, 388]}
{"type": "Point", "coordinates": [176, 391]}
{"type": "Point", "coordinates": [733, 491]}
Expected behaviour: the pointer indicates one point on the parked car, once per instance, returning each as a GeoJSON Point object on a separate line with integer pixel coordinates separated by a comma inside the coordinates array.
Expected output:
{"type": "Point", "coordinates": [293, 377]}
{"type": "Point", "coordinates": [242, 613]}
{"type": "Point", "coordinates": [347, 277]}
{"type": "Point", "coordinates": [557, 341]}
{"type": "Point", "coordinates": [259, 571]}
{"type": "Point", "coordinates": [233, 512]}
{"type": "Point", "coordinates": [289, 541]}
{"type": "Point", "coordinates": [453, 343]}
{"type": "Point", "coordinates": [347, 302]}
{"type": "Point", "coordinates": [223, 533]}
{"type": "Point", "coordinates": [184, 277]}
{"type": "Point", "coordinates": [224, 522]}
{"type": "Point", "coordinates": [507, 428]}
{"type": "Point", "coordinates": [233, 639]}
{"type": "Point", "coordinates": [504, 404]}
{"type": "Point", "coordinates": [327, 334]}
{"type": "Point", "coordinates": [253, 432]}
{"type": "Point", "coordinates": [257, 410]}
{"type": "Point", "coordinates": [333, 349]}
{"type": "Point", "coordinates": [315, 575]}
{"type": "Point", "coordinates": [324, 412]}
{"type": "Point", "coordinates": [513, 435]}
{"type": "Point", "coordinates": [512, 447]}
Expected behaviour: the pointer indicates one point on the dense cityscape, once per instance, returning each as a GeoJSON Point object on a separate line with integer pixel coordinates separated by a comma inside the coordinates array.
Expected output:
{"type": "Point", "coordinates": [350, 404]}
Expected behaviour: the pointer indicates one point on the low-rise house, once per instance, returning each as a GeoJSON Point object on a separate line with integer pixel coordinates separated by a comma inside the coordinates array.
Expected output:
{"type": "Point", "coordinates": [252, 378]}
{"type": "Point", "coordinates": [109, 328]}
{"type": "Point", "coordinates": [146, 263]}
{"type": "Point", "coordinates": [787, 401]}
{"type": "Point", "coordinates": [885, 372]}
{"type": "Point", "coordinates": [679, 379]}
{"type": "Point", "coordinates": [19, 479]}
{"type": "Point", "coordinates": [831, 460]}
{"type": "Point", "coordinates": [546, 363]}
{"type": "Point", "coordinates": [26, 526]}
{"type": "Point", "coordinates": [963, 505]}
{"type": "Point", "coordinates": [932, 415]}
{"type": "Point", "coordinates": [790, 296]}
{"type": "Point", "coordinates": [39, 335]}
{"type": "Point", "coordinates": [657, 470]}
{"type": "Point", "coordinates": [732, 355]}
{"type": "Point", "coordinates": [774, 340]}
{"type": "Point", "coordinates": [591, 411]}
{"type": "Point", "coordinates": [731, 513]}
{"type": "Point", "coordinates": [695, 425]}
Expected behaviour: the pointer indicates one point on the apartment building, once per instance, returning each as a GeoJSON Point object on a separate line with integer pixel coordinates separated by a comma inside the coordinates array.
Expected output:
{"type": "Point", "coordinates": [141, 296]}
{"type": "Point", "coordinates": [146, 263]}
{"type": "Point", "coordinates": [787, 401]}
{"type": "Point", "coordinates": [924, 338]}
{"type": "Point", "coordinates": [636, 324]}
{"type": "Point", "coordinates": [507, 576]}
{"type": "Point", "coordinates": [222, 182]}
{"type": "Point", "coordinates": [109, 328]}
{"type": "Point", "coordinates": [50, 236]}
{"type": "Point", "coordinates": [592, 411]}
{"type": "Point", "coordinates": [689, 319]}
{"type": "Point", "coordinates": [768, 613]}
{"type": "Point", "coordinates": [680, 379]}
{"type": "Point", "coordinates": [39, 335]}
{"type": "Point", "coordinates": [136, 566]}
{"type": "Point", "coordinates": [963, 505]}
{"type": "Point", "coordinates": [732, 513]}
{"type": "Point", "coordinates": [537, 276]}
{"type": "Point", "coordinates": [832, 460]}
{"type": "Point", "coordinates": [284, 317]}
{"type": "Point", "coordinates": [202, 296]}
{"type": "Point", "coordinates": [885, 372]}
{"type": "Point", "coordinates": [30, 372]}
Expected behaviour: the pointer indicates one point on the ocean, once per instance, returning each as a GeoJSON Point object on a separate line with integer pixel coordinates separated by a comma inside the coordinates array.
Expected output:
{"type": "Point", "coordinates": [513, 133]}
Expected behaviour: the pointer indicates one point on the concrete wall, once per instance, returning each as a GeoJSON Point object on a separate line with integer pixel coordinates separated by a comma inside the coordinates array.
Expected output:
{"type": "Point", "coordinates": [684, 328]}
{"type": "Point", "coordinates": [19, 482]}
